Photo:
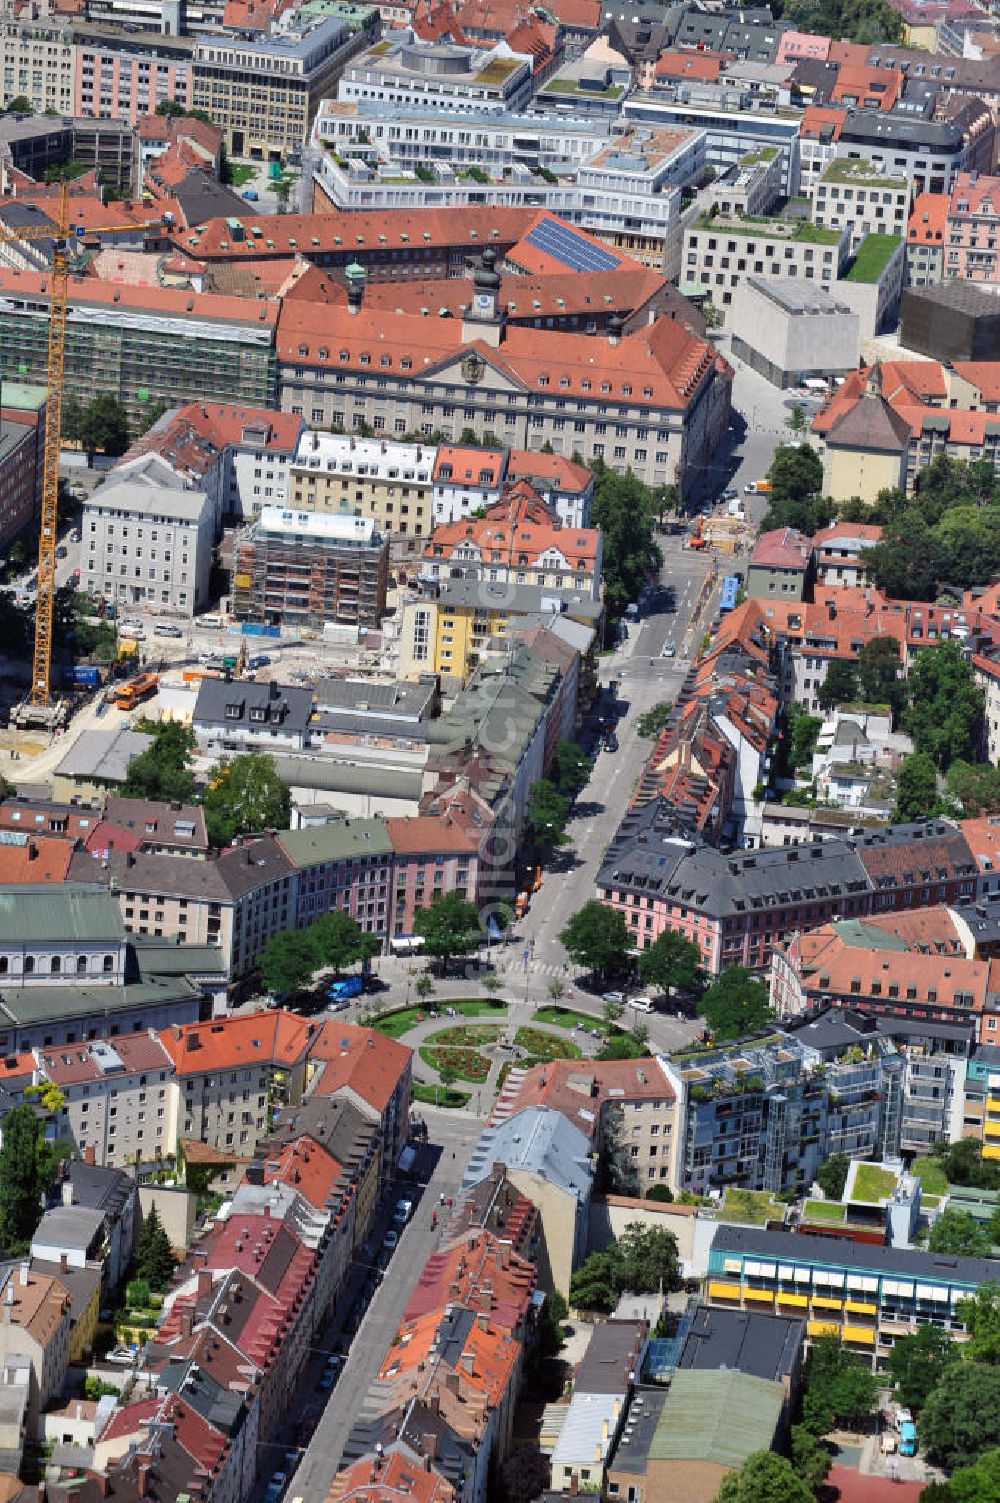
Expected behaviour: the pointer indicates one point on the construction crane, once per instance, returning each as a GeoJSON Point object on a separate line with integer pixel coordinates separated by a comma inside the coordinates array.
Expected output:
{"type": "Point", "coordinates": [39, 706]}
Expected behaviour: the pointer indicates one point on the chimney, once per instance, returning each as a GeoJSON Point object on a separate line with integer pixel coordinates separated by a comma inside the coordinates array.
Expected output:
{"type": "Point", "coordinates": [187, 1321]}
{"type": "Point", "coordinates": [429, 1445]}
{"type": "Point", "coordinates": [67, 1192]}
{"type": "Point", "coordinates": [451, 1382]}
{"type": "Point", "coordinates": [615, 327]}
{"type": "Point", "coordinates": [574, 1485]}
{"type": "Point", "coordinates": [90, 1154]}
{"type": "Point", "coordinates": [484, 1321]}
{"type": "Point", "coordinates": [32, 851]}
{"type": "Point", "coordinates": [63, 1262]}
{"type": "Point", "coordinates": [469, 1361]}
{"type": "Point", "coordinates": [204, 1282]}
{"type": "Point", "coordinates": [604, 1430]}
{"type": "Point", "coordinates": [143, 1479]}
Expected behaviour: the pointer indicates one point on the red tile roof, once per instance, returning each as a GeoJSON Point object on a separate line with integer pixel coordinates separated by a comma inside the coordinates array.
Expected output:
{"type": "Point", "coordinates": [172, 302]}
{"type": "Point", "coordinates": [279, 1037]}
{"type": "Point", "coordinates": [36, 858]}
{"type": "Point", "coordinates": [433, 834]}
{"type": "Point", "coordinates": [360, 1060]}
{"type": "Point", "coordinates": [822, 121]}
{"type": "Point", "coordinates": [390, 1478]}
{"type": "Point", "coordinates": [192, 437]}
{"type": "Point", "coordinates": [928, 219]}
{"type": "Point", "coordinates": [783, 548]}
{"type": "Point", "coordinates": [705, 66]}
{"type": "Point", "coordinates": [307, 1167]}
{"type": "Point", "coordinates": [561, 473]}
{"type": "Point", "coordinates": [520, 524]}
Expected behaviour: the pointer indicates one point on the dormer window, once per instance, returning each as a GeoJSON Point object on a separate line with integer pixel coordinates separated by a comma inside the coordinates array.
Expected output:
{"type": "Point", "coordinates": [233, 711]}
{"type": "Point", "coordinates": [258, 714]}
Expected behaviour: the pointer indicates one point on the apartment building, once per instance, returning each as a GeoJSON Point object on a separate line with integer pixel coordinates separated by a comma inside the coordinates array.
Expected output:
{"type": "Point", "coordinates": [233, 1074]}
{"type": "Point", "coordinates": [20, 488]}
{"type": "Point", "coordinates": [851, 194]}
{"type": "Point", "coordinates": [289, 72]}
{"type": "Point", "coordinates": [386, 481]}
{"type": "Point", "coordinates": [719, 252]}
{"type": "Point", "coordinates": [402, 71]}
{"type": "Point", "coordinates": [121, 1102]}
{"type": "Point", "coordinates": [34, 1341]}
{"type": "Point", "coordinates": [516, 541]}
{"type": "Point", "coordinates": [374, 1074]}
{"type": "Point", "coordinates": [218, 349]}
{"type": "Point", "coordinates": [38, 61]}
{"type": "Point", "coordinates": [304, 568]}
{"type": "Point", "coordinates": [148, 541]}
{"type": "Point", "coordinates": [125, 77]}
{"type": "Point", "coordinates": [929, 154]}
{"type": "Point", "coordinates": [866, 1294]}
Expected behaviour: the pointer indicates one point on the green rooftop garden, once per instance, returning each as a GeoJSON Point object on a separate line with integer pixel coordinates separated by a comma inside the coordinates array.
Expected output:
{"type": "Point", "coordinates": [496, 71]}
{"type": "Point", "coordinates": [872, 1184]}
{"type": "Point", "coordinates": [859, 174]}
{"type": "Point", "coordinates": [762, 154]}
{"type": "Point", "coordinates": [825, 1210]}
{"type": "Point", "coordinates": [874, 254]}
{"type": "Point", "coordinates": [751, 1207]}
{"type": "Point", "coordinates": [801, 231]}
{"type": "Point", "coordinates": [572, 86]}
{"type": "Point", "coordinates": [933, 1179]}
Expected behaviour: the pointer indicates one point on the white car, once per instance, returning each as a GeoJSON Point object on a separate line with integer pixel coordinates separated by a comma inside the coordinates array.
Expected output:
{"type": "Point", "coordinates": [404, 1210]}
{"type": "Point", "coordinates": [390, 1239]}
{"type": "Point", "coordinates": [640, 1004]}
{"type": "Point", "coordinates": [167, 629]}
{"type": "Point", "coordinates": [614, 996]}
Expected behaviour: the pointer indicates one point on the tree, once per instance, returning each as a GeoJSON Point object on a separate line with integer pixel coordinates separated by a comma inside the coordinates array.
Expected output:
{"type": "Point", "coordinates": [546, 815]}
{"type": "Point", "coordinates": [339, 940]}
{"type": "Point", "coordinates": [867, 21]}
{"type": "Point", "coordinates": [288, 961]}
{"type": "Point", "coordinates": [961, 1418]}
{"type": "Point", "coordinates": [105, 425]}
{"type": "Point", "coordinates": [796, 475]}
{"type": "Point", "coordinates": [571, 768]}
{"type": "Point", "coordinates": [839, 686]}
{"type": "Point", "coordinates": [162, 770]}
{"type": "Point", "coordinates": [649, 1261]}
{"type": "Point", "coordinates": [735, 1004]}
{"type": "Point", "coordinates": [671, 962]}
{"type": "Point", "coordinates": [978, 1483]}
{"type": "Point", "coordinates": [963, 1164]}
{"type": "Point", "coordinates": [424, 988]}
{"type": "Point", "coordinates": [810, 1458]}
{"type": "Point", "coordinates": [802, 733]}
{"type": "Point", "coordinates": [625, 511]}
{"type": "Point", "coordinates": [20, 105]}
{"type": "Point", "coordinates": [878, 672]}
{"type": "Point", "coordinates": [449, 925]}
{"type": "Point", "coordinates": [651, 723]}
{"type": "Point", "coordinates": [918, 1363]}
{"type": "Point", "coordinates": [839, 1388]}
{"type": "Point", "coordinates": [796, 419]}
{"type": "Point", "coordinates": [525, 1474]}
{"type": "Point", "coordinates": [152, 415]}
{"type": "Point", "coordinates": [613, 1010]}
{"type": "Point", "coordinates": [976, 786]}
{"type": "Point", "coordinates": [27, 1164]}
{"type": "Point", "coordinates": [832, 1175]}
{"type": "Point", "coordinates": [980, 1314]}
{"type": "Point", "coordinates": [764, 1477]}
{"type": "Point", "coordinates": [593, 1285]}
{"type": "Point", "coordinates": [597, 937]}
{"type": "Point", "coordinates": [945, 713]}
{"type": "Point", "coordinates": [551, 1318]}
{"type": "Point", "coordinates": [906, 562]}
{"type": "Point", "coordinates": [245, 797]}
{"type": "Point", "coordinates": [916, 788]}
{"type": "Point", "coordinates": [153, 1258]}
{"type": "Point", "coordinates": [660, 1192]}
{"type": "Point", "coordinates": [960, 1233]}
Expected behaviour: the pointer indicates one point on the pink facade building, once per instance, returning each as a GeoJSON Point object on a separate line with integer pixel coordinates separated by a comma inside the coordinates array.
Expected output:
{"type": "Point", "coordinates": [126, 81]}
{"type": "Point", "coordinates": [971, 231]}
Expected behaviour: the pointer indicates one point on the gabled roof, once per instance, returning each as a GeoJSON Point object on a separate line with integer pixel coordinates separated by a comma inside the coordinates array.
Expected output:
{"type": "Point", "coordinates": [272, 1037]}
{"type": "Point", "coordinates": [872, 425]}
{"type": "Point", "coordinates": [362, 1061]}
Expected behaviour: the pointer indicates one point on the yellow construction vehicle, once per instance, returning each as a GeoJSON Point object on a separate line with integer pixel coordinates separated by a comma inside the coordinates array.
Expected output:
{"type": "Point", "coordinates": [39, 708]}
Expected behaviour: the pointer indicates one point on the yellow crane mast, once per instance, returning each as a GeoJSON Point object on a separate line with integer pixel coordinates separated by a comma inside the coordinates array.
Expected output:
{"type": "Point", "coordinates": [40, 698]}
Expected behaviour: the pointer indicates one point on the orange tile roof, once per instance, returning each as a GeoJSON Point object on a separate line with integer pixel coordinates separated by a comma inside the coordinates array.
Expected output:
{"type": "Point", "coordinates": [820, 119]}
{"type": "Point", "coordinates": [480, 1272]}
{"type": "Point", "coordinates": [869, 86]}
{"type": "Point", "coordinates": [983, 839]}
{"type": "Point", "coordinates": [580, 1089]}
{"type": "Point", "coordinates": [39, 1303]}
{"type": "Point", "coordinates": [928, 219]}
{"type": "Point", "coordinates": [193, 437]}
{"type": "Point", "coordinates": [562, 294]}
{"type": "Point", "coordinates": [468, 464]}
{"type": "Point", "coordinates": [984, 375]}
{"type": "Point", "coordinates": [519, 524]}
{"type": "Point", "coordinates": [431, 833]}
{"type": "Point", "coordinates": [705, 66]}
{"type": "Point", "coordinates": [361, 1060]}
{"type": "Point", "coordinates": [307, 1167]}
{"type": "Point", "coordinates": [392, 1477]}
{"type": "Point", "coordinates": [278, 1037]}
{"type": "Point", "coordinates": [562, 473]}
{"type": "Point", "coordinates": [41, 858]}
{"type": "Point", "coordinates": [158, 300]}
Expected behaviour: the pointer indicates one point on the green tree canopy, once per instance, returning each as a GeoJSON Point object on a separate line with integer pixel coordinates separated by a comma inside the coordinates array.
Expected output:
{"type": "Point", "coordinates": [796, 475]}
{"type": "Point", "coordinates": [832, 1175]}
{"type": "Point", "coordinates": [811, 1458]}
{"type": "Point", "coordinates": [735, 1004]}
{"type": "Point", "coordinates": [980, 1314]}
{"type": "Point", "coordinates": [625, 510]}
{"type": "Point", "coordinates": [945, 713]}
{"type": "Point", "coordinates": [867, 21]}
{"type": "Point", "coordinates": [916, 788]}
{"type": "Point", "coordinates": [963, 1164]}
{"type": "Point", "coordinates": [918, 1363]}
{"type": "Point", "coordinates": [163, 770]}
{"type": "Point", "coordinates": [288, 961]}
{"type": "Point", "coordinates": [976, 787]}
{"type": "Point", "coordinates": [104, 425]}
{"type": "Point", "coordinates": [597, 937]}
{"type": "Point", "coordinates": [765, 1477]}
{"type": "Point", "coordinates": [340, 941]}
{"type": "Point", "coordinates": [245, 796]}
{"type": "Point", "coordinates": [671, 962]}
{"type": "Point", "coordinates": [449, 925]}
{"type": "Point", "coordinates": [571, 768]}
{"type": "Point", "coordinates": [27, 1167]}
{"type": "Point", "coordinates": [153, 1260]}
{"type": "Point", "coordinates": [839, 1387]}
{"type": "Point", "coordinates": [978, 1483]}
{"type": "Point", "coordinates": [839, 686]}
{"type": "Point", "coordinates": [652, 721]}
{"type": "Point", "coordinates": [643, 1260]}
{"type": "Point", "coordinates": [878, 673]}
{"type": "Point", "coordinates": [959, 1232]}
{"type": "Point", "coordinates": [547, 815]}
{"type": "Point", "coordinates": [961, 1418]}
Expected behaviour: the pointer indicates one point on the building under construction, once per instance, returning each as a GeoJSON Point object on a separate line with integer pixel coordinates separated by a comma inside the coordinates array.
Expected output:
{"type": "Point", "coordinates": [304, 568]}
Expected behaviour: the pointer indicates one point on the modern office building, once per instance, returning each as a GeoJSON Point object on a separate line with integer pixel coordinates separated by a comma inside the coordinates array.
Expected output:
{"type": "Point", "coordinates": [303, 568]}
{"type": "Point", "coordinates": [401, 71]}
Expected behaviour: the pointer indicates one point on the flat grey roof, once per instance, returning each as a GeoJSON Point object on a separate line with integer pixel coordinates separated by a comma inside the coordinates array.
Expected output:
{"type": "Point", "coordinates": [103, 755]}
{"type": "Point", "coordinates": [70, 913]}
{"type": "Point", "coordinates": [798, 297]}
{"type": "Point", "coordinates": [748, 1341]}
{"type": "Point", "coordinates": [842, 1252]}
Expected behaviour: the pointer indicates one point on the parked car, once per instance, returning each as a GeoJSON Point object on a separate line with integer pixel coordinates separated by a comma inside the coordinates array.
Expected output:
{"type": "Point", "coordinates": [250, 195]}
{"type": "Point", "coordinates": [167, 629]}
{"type": "Point", "coordinates": [390, 1239]}
{"type": "Point", "coordinates": [611, 742]}
{"type": "Point", "coordinates": [259, 660]}
{"type": "Point", "coordinates": [346, 988]}
{"type": "Point", "coordinates": [614, 996]}
{"type": "Point", "coordinates": [404, 1210]}
{"type": "Point", "coordinates": [62, 551]}
{"type": "Point", "coordinates": [640, 1004]}
{"type": "Point", "coordinates": [669, 650]}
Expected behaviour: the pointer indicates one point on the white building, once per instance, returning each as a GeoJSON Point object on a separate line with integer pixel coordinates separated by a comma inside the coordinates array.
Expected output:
{"type": "Point", "coordinates": [402, 70]}
{"type": "Point", "coordinates": [38, 59]}
{"type": "Point", "coordinates": [466, 479]}
{"type": "Point", "coordinates": [387, 481]}
{"type": "Point", "coordinates": [720, 252]}
{"type": "Point", "coordinates": [851, 193]}
{"type": "Point", "coordinates": [148, 541]}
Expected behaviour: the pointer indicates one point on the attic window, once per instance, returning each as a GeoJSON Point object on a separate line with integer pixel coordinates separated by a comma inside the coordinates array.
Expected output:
{"type": "Point", "coordinates": [626, 391]}
{"type": "Point", "coordinates": [324, 353]}
{"type": "Point", "coordinates": [406, 363]}
{"type": "Point", "coordinates": [543, 380]}
{"type": "Point", "coordinates": [647, 391]}
{"type": "Point", "coordinates": [303, 349]}
{"type": "Point", "coordinates": [605, 387]}
{"type": "Point", "coordinates": [233, 712]}
{"type": "Point", "coordinates": [563, 380]}
{"type": "Point", "coordinates": [366, 359]}
{"type": "Point", "coordinates": [384, 360]}
{"type": "Point", "coordinates": [343, 357]}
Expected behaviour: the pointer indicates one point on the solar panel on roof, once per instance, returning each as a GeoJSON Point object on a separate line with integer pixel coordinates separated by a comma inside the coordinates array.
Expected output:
{"type": "Point", "coordinates": [573, 250]}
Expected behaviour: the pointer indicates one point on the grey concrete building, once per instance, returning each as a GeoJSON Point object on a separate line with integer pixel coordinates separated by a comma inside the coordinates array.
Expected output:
{"type": "Point", "coordinates": [148, 542]}
{"type": "Point", "coordinates": [791, 330]}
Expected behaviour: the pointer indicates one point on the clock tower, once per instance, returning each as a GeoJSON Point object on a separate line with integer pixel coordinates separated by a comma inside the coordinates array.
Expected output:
{"type": "Point", "coordinates": [483, 319]}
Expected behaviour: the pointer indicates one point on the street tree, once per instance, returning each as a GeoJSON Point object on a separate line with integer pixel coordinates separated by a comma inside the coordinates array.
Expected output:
{"type": "Point", "coordinates": [652, 721]}
{"type": "Point", "coordinates": [625, 511]}
{"type": "Point", "coordinates": [449, 925]}
{"type": "Point", "coordinates": [340, 941]}
{"type": "Point", "coordinates": [735, 1004]}
{"type": "Point", "coordinates": [27, 1166]}
{"type": "Point", "coordinates": [597, 937]}
{"type": "Point", "coordinates": [916, 788]}
{"type": "Point", "coordinates": [671, 962]}
{"type": "Point", "coordinates": [959, 1233]}
{"type": "Point", "coordinates": [945, 712]}
{"type": "Point", "coordinates": [765, 1477]}
{"type": "Point", "coordinates": [832, 1175]}
{"type": "Point", "coordinates": [571, 768]}
{"type": "Point", "coordinates": [525, 1474]}
{"type": "Point", "coordinates": [918, 1363]}
{"type": "Point", "coordinates": [978, 1483]}
{"type": "Point", "coordinates": [961, 1418]}
{"type": "Point", "coordinates": [244, 797]}
{"type": "Point", "coordinates": [547, 815]}
{"type": "Point", "coordinates": [613, 1010]}
{"type": "Point", "coordinates": [288, 961]}
{"type": "Point", "coordinates": [839, 1388]}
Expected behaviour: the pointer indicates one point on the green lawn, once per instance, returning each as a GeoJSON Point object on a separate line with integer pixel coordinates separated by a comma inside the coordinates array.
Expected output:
{"type": "Point", "coordinates": [752, 1207]}
{"type": "Point", "coordinates": [466, 1064]}
{"type": "Point", "coordinates": [438, 1096]}
{"type": "Point", "coordinates": [824, 1210]}
{"type": "Point", "coordinates": [873, 1184]}
{"type": "Point", "coordinates": [930, 1173]}
{"type": "Point", "coordinates": [401, 1019]}
{"type": "Point", "coordinates": [240, 174]}
{"type": "Point", "coordinates": [545, 1046]}
{"type": "Point", "coordinates": [567, 1017]}
{"type": "Point", "coordinates": [874, 253]}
